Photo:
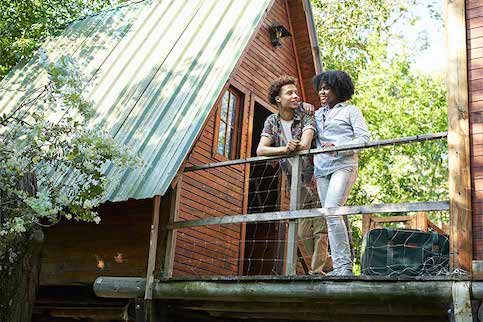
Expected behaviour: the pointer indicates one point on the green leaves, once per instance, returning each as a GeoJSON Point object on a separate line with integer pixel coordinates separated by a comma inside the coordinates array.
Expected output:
{"type": "Point", "coordinates": [66, 153]}
{"type": "Point", "coordinates": [396, 100]}
{"type": "Point", "coordinates": [24, 24]}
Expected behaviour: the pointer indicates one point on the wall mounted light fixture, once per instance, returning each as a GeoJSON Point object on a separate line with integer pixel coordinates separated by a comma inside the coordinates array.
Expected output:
{"type": "Point", "coordinates": [277, 32]}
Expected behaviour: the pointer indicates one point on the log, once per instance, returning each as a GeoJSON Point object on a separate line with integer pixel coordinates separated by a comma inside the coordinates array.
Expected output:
{"type": "Point", "coordinates": [346, 290]}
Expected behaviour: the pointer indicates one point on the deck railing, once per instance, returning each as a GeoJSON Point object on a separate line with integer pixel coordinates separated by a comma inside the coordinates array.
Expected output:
{"type": "Point", "coordinates": [293, 213]}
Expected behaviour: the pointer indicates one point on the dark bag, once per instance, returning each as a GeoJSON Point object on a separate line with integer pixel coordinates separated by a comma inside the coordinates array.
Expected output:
{"type": "Point", "coordinates": [398, 252]}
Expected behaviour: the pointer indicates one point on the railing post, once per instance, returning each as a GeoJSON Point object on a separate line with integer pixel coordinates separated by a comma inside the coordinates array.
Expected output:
{"type": "Point", "coordinates": [290, 268]}
{"type": "Point", "coordinates": [167, 270]}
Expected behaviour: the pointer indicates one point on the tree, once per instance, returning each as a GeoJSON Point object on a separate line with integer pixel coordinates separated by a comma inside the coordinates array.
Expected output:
{"type": "Point", "coordinates": [25, 23]}
{"type": "Point", "coordinates": [354, 33]}
{"type": "Point", "coordinates": [395, 99]}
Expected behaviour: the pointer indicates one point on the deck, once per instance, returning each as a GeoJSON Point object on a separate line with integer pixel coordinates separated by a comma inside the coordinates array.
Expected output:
{"type": "Point", "coordinates": [287, 295]}
{"type": "Point", "coordinates": [297, 298]}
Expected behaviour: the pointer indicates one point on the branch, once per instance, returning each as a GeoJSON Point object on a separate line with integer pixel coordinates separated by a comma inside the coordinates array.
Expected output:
{"type": "Point", "coordinates": [4, 122]}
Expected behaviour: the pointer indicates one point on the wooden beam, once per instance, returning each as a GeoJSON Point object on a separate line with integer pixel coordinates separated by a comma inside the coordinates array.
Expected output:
{"type": "Point", "coordinates": [462, 311]}
{"type": "Point", "coordinates": [309, 16]}
{"type": "Point", "coordinates": [436, 228]}
{"type": "Point", "coordinates": [391, 219]}
{"type": "Point", "coordinates": [295, 53]}
{"type": "Point", "coordinates": [357, 291]}
{"type": "Point", "coordinates": [323, 309]}
{"type": "Point", "coordinates": [171, 234]}
{"type": "Point", "coordinates": [366, 224]}
{"type": "Point", "coordinates": [316, 212]}
{"type": "Point", "coordinates": [249, 112]}
{"type": "Point", "coordinates": [94, 313]}
{"type": "Point", "coordinates": [374, 144]}
{"type": "Point", "coordinates": [318, 317]}
{"type": "Point", "coordinates": [459, 180]}
{"type": "Point", "coordinates": [153, 246]}
{"type": "Point", "coordinates": [421, 221]}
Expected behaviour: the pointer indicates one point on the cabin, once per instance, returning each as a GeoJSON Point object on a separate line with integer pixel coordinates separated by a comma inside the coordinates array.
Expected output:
{"type": "Point", "coordinates": [186, 237]}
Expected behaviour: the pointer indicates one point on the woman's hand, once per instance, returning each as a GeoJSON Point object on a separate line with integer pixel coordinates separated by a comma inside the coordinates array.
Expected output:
{"type": "Point", "coordinates": [308, 108]}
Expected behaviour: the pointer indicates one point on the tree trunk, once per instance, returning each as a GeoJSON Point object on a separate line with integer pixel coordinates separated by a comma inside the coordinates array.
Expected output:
{"type": "Point", "coordinates": [20, 265]}
{"type": "Point", "coordinates": [19, 276]}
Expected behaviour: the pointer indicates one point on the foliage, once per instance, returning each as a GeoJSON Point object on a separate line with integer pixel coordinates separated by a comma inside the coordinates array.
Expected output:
{"type": "Point", "coordinates": [353, 33]}
{"type": "Point", "coordinates": [398, 103]}
{"type": "Point", "coordinates": [25, 23]}
{"type": "Point", "coordinates": [51, 153]}
{"type": "Point", "coordinates": [50, 136]}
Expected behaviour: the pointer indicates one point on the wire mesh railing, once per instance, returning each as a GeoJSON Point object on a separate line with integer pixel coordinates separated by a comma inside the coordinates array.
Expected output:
{"type": "Point", "coordinates": [246, 217]}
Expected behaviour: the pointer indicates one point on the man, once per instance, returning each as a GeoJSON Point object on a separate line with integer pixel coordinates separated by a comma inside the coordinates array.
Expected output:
{"type": "Point", "coordinates": [290, 130]}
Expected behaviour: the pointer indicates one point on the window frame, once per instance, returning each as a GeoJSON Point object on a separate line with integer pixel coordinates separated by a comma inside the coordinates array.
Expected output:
{"type": "Point", "coordinates": [236, 133]}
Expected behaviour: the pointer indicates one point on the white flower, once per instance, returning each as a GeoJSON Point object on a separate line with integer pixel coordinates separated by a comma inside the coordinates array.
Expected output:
{"type": "Point", "coordinates": [87, 204]}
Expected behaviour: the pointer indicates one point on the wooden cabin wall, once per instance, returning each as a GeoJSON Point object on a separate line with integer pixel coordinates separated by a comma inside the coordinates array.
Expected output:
{"type": "Point", "coordinates": [78, 253]}
{"type": "Point", "coordinates": [303, 49]}
{"type": "Point", "coordinates": [214, 250]}
{"type": "Point", "coordinates": [474, 32]}
{"type": "Point", "coordinates": [263, 63]}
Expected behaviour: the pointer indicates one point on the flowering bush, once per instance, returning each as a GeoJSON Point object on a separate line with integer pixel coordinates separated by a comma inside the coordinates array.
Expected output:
{"type": "Point", "coordinates": [51, 136]}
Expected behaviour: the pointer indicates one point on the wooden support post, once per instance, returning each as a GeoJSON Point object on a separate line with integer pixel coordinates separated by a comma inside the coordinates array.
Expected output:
{"type": "Point", "coordinates": [462, 302]}
{"type": "Point", "coordinates": [149, 306]}
{"type": "Point", "coordinates": [366, 224]}
{"type": "Point", "coordinates": [171, 234]}
{"type": "Point", "coordinates": [153, 246]}
{"type": "Point", "coordinates": [290, 267]}
{"type": "Point", "coordinates": [458, 138]}
{"type": "Point", "coordinates": [421, 221]}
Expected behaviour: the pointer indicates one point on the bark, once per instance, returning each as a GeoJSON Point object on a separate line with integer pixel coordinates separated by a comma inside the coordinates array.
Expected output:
{"type": "Point", "coordinates": [19, 277]}
{"type": "Point", "coordinates": [20, 266]}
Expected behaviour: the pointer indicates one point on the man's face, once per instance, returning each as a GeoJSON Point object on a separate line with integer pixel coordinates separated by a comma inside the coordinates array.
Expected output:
{"type": "Point", "coordinates": [289, 97]}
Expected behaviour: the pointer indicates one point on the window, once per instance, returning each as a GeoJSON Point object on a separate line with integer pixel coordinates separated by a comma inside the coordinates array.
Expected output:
{"type": "Point", "coordinates": [229, 115]}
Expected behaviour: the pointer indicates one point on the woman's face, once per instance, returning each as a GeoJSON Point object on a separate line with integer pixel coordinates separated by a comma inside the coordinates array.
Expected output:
{"type": "Point", "coordinates": [327, 96]}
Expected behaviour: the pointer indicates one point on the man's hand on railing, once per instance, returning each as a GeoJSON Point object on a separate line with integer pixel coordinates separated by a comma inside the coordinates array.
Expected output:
{"type": "Point", "coordinates": [291, 146]}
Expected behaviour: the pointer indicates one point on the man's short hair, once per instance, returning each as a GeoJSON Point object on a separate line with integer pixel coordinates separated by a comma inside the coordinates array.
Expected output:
{"type": "Point", "coordinates": [277, 84]}
{"type": "Point", "coordinates": [339, 81]}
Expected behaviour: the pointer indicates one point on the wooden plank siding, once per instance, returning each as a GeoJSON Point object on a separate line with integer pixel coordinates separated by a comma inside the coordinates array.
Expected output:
{"type": "Point", "coordinates": [77, 252]}
{"type": "Point", "coordinates": [216, 250]}
{"type": "Point", "coordinates": [304, 49]}
{"type": "Point", "coordinates": [474, 35]}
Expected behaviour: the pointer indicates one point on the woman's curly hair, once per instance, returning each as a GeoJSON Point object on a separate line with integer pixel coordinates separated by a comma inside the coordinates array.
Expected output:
{"type": "Point", "coordinates": [337, 80]}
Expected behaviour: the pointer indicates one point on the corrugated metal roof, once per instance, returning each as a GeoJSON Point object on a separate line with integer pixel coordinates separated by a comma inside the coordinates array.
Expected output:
{"type": "Point", "coordinates": [155, 70]}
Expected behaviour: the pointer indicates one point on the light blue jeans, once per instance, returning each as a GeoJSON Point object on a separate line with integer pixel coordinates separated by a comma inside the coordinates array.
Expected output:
{"type": "Point", "coordinates": [333, 191]}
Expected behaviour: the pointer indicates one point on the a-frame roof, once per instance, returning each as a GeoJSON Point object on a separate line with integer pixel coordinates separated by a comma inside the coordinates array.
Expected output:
{"type": "Point", "coordinates": [155, 69]}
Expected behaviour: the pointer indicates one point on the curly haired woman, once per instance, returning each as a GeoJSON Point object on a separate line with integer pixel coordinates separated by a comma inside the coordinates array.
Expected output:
{"type": "Point", "coordinates": [338, 123]}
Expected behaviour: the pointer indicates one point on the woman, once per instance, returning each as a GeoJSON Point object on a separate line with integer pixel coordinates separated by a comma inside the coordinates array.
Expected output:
{"type": "Point", "coordinates": [337, 123]}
